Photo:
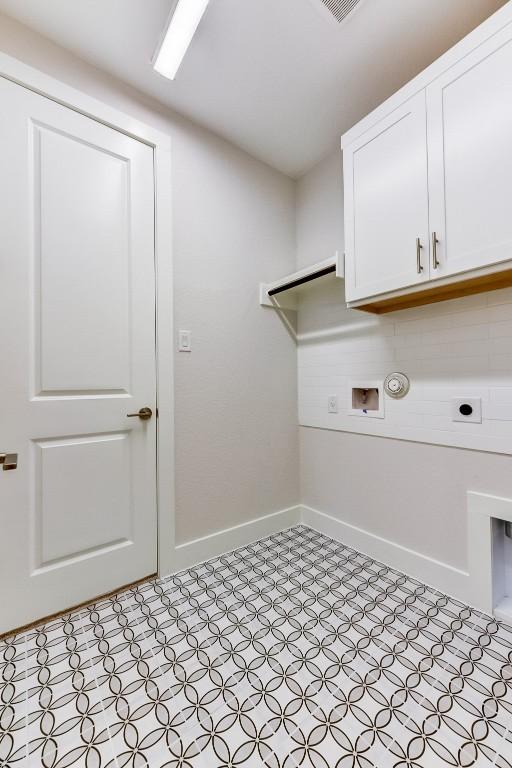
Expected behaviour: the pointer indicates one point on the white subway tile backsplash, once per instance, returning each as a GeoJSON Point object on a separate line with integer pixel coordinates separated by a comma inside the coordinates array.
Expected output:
{"type": "Point", "coordinates": [499, 428]}
{"type": "Point", "coordinates": [501, 395]}
{"type": "Point", "coordinates": [470, 332]}
{"type": "Point", "coordinates": [458, 348]}
{"type": "Point", "coordinates": [410, 340]}
{"type": "Point", "coordinates": [431, 408]}
{"type": "Point", "coordinates": [421, 325]}
{"type": "Point", "coordinates": [501, 363]}
{"type": "Point", "coordinates": [473, 317]}
{"type": "Point", "coordinates": [503, 296]}
{"type": "Point", "coordinates": [500, 312]}
{"type": "Point", "coordinates": [500, 330]}
{"type": "Point", "coordinates": [499, 411]}
{"type": "Point", "coordinates": [447, 366]}
{"type": "Point", "coordinates": [451, 307]}
{"type": "Point", "coordinates": [464, 389]}
{"type": "Point", "coordinates": [421, 351]}
{"type": "Point", "coordinates": [500, 346]}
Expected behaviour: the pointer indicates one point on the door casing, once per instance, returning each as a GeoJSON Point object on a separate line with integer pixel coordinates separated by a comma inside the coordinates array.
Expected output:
{"type": "Point", "coordinates": [28, 77]}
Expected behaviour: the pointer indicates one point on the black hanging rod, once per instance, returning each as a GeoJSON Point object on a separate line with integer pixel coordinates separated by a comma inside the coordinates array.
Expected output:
{"type": "Point", "coordinates": [302, 280]}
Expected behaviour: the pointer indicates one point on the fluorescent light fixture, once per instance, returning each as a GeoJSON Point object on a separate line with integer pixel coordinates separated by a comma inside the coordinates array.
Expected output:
{"type": "Point", "coordinates": [178, 36]}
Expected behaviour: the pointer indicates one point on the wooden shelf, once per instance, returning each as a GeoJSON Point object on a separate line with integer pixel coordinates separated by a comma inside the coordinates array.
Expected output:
{"type": "Point", "coordinates": [435, 293]}
{"type": "Point", "coordinates": [271, 293]}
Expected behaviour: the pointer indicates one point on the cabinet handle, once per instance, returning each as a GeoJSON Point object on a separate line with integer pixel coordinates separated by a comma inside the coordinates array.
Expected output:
{"type": "Point", "coordinates": [435, 261]}
{"type": "Point", "coordinates": [418, 256]}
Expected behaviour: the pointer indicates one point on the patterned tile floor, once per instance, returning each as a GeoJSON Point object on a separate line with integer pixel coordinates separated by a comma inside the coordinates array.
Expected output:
{"type": "Point", "coordinates": [293, 651]}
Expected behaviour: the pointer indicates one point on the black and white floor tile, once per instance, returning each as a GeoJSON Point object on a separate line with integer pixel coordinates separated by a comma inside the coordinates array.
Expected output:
{"type": "Point", "coordinates": [293, 651]}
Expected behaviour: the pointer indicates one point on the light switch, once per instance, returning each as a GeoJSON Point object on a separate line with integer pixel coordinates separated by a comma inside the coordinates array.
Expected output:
{"type": "Point", "coordinates": [184, 341]}
{"type": "Point", "coordinates": [332, 404]}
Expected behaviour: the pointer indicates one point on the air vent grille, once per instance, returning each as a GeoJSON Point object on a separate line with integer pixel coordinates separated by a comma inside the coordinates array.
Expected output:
{"type": "Point", "coordinates": [340, 9]}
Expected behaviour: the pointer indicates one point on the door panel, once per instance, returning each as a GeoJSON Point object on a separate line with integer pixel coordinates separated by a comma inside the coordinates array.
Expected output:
{"type": "Point", "coordinates": [77, 312]}
{"type": "Point", "coordinates": [84, 312]}
{"type": "Point", "coordinates": [97, 514]}
{"type": "Point", "coordinates": [470, 158]}
{"type": "Point", "coordinates": [386, 204]}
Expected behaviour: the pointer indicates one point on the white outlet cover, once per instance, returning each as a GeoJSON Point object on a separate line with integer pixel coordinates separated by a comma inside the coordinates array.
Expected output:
{"type": "Point", "coordinates": [474, 402]}
{"type": "Point", "coordinates": [332, 404]}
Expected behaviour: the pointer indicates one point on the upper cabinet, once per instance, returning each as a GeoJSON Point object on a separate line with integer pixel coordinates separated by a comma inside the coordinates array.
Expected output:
{"type": "Point", "coordinates": [386, 203]}
{"type": "Point", "coordinates": [428, 176]}
{"type": "Point", "coordinates": [469, 110]}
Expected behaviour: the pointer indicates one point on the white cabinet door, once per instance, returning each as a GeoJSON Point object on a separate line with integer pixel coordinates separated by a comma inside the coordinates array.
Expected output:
{"type": "Point", "coordinates": [470, 158]}
{"type": "Point", "coordinates": [386, 204]}
{"type": "Point", "coordinates": [77, 345]}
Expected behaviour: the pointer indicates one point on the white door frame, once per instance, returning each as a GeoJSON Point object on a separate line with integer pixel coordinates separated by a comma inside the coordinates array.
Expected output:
{"type": "Point", "coordinates": [47, 86]}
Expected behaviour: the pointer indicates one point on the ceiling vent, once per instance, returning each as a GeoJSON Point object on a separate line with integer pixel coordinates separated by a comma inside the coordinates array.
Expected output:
{"type": "Point", "coordinates": [340, 9]}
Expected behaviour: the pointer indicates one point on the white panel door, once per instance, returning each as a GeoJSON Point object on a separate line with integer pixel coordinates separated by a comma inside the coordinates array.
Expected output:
{"type": "Point", "coordinates": [386, 204]}
{"type": "Point", "coordinates": [77, 345]}
{"type": "Point", "coordinates": [470, 158]}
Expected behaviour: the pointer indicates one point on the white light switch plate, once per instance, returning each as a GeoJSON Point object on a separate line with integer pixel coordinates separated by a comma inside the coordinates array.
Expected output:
{"type": "Point", "coordinates": [184, 341]}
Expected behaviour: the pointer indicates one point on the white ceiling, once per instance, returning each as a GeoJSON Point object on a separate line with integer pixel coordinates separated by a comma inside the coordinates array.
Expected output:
{"type": "Point", "coordinates": [280, 78]}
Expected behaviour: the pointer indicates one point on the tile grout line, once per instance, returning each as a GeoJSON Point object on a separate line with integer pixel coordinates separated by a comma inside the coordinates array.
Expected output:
{"type": "Point", "coordinates": [93, 670]}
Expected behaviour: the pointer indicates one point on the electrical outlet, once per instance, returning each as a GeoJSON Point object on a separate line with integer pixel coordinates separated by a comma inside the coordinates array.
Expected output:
{"type": "Point", "coordinates": [332, 404]}
{"type": "Point", "coordinates": [467, 409]}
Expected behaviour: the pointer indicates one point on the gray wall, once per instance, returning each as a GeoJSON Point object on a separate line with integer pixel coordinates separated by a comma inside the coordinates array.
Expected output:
{"type": "Point", "coordinates": [412, 494]}
{"type": "Point", "coordinates": [233, 223]}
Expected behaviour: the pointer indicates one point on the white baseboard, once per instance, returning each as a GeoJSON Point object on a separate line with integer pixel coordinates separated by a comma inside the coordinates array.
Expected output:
{"type": "Point", "coordinates": [193, 552]}
{"type": "Point", "coordinates": [439, 575]}
{"type": "Point", "coordinates": [436, 574]}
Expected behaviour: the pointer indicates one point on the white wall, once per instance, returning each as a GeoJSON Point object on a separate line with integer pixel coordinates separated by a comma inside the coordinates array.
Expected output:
{"type": "Point", "coordinates": [233, 222]}
{"type": "Point", "coordinates": [236, 393]}
{"type": "Point", "coordinates": [409, 492]}
{"type": "Point", "coordinates": [319, 200]}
